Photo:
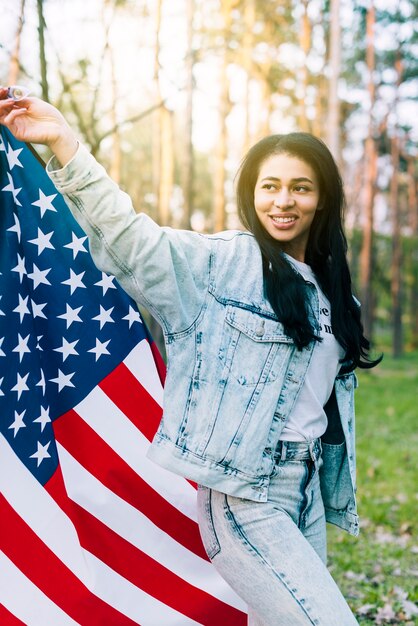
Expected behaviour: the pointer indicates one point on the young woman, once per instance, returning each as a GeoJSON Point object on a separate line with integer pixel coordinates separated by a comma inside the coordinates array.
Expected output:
{"type": "Point", "coordinates": [263, 336]}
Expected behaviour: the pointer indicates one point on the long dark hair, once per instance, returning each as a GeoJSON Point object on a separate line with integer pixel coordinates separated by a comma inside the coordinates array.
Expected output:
{"type": "Point", "coordinates": [326, 251]}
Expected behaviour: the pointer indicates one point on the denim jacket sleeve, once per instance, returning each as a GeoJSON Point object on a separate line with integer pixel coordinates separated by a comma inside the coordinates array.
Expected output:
{"type": "Point", "coordinates": [163, 269]}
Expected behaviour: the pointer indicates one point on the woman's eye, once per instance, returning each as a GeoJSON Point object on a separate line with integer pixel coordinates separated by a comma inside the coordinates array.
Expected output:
{"type": "Point", "coordinates": [301, 188]}
{"type": "Point", "coordinates": [269, 186]}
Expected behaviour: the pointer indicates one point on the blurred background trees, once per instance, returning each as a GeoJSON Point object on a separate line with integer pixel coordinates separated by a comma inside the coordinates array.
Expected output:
{"type": "Point", "coordinates": [169, 94]}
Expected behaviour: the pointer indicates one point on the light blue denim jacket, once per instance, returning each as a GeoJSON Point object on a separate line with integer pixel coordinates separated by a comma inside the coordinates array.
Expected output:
{"type": "Point", "coordinates": [233, 375]}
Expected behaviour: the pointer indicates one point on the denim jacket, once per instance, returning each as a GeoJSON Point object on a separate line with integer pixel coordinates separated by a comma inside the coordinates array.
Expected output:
{"type": "Point", "coordinates": [233, 375]}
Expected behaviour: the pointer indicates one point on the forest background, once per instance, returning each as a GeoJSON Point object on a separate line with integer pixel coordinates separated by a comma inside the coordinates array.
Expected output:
{"type": "Point", "coordinates": [169, 94]}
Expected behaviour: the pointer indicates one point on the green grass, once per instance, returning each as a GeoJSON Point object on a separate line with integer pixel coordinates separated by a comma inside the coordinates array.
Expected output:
{"type": "Point", "coordinates": [378, 571]}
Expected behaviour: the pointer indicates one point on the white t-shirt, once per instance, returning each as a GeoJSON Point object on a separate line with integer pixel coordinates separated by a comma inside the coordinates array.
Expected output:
{"type": "Point", "coordinates": [307, 419]}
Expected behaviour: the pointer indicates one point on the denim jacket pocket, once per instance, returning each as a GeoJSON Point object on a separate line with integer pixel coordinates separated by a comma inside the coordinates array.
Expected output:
{"type": "Point", "coordinates": [335, 476]}
{"type": "Point", "coordinates": [249, 346]}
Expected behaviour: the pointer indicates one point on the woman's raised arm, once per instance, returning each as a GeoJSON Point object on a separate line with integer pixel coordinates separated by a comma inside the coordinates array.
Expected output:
{"type": "Point", "coordinates": [34, 121]}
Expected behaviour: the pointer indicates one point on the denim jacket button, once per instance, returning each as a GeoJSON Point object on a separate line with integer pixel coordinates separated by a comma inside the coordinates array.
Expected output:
{"type": "Point", "coordinates": [259, 331]}
{"type": "Point", "coordinates": [349, 385]}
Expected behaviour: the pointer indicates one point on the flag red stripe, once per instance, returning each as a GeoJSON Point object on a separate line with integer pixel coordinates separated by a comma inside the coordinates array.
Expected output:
{"type": "Point", "coordinates": [7, 619]}
{"type": "Point", "coordinates": [139, 568]}
{"type": "Point", "coordinates": [48, 573]}
{"type": "Point", "coordinates": [133, 400]}
{"type": "Point", "coordinates": [94, 454]}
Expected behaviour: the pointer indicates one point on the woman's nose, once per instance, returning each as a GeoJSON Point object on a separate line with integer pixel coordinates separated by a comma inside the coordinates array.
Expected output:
{"type": "Point", "coordinates": [283, 199]}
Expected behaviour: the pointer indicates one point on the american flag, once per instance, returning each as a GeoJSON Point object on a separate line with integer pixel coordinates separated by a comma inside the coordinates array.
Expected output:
{"type": "Point", "coordinates": [91, 532]}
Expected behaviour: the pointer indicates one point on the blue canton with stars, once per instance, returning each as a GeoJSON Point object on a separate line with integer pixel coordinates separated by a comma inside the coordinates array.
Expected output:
{"type": "Point", "coordinates": [64, 325]}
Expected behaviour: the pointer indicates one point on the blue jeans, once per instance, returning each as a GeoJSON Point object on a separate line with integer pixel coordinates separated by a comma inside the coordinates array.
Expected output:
{"type": "Point", "coordinates": [273, 554]}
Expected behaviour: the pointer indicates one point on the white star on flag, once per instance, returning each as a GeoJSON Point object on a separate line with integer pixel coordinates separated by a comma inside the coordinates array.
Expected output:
{"type": "Point", "coordinates": [12, 157]}
{"type": "Point", "coordinates": [44, 418]}
{"type": "Point", "coordinates": [104, 316]}
{"type": "Point", "coordinates": [1, 382]}
{"type": "Point", "coordinates": [1, 343]}
{"type": "Point", "coordinates": [62, 380]}
{"type": "Point", "coordinates": [2, 312]}
{"type": "Point", "coordinates": [42, 383]}
{"type": "Point", "coordinates": [41, 453]}
{"type": "Point", "coordinates": [18, 422]}
{"type": "Point", "coordinates": [45, 202]}
{"type": "Point", "coordinates": [10, 187]}
{"type": "Point", "coordinates": [42, 241]}
{"type": "Point", "coordinates": [133, 316]}
{"type": "Point", "coordinates": [74, 281]}
{"type": "Point", "coordinates": [76, 245]}
{"type": "Point", "coordinates": [106, 282]}
{"type": "Point", "coordinates": [16, 227]}
{"type": "Point", "coordinates": [67, 348]}
{"type": "Point", "coordinates": [39, 276]}
{"type": "Point", "coordinates": [71, 315]}
{"type": "Point", "coordinates": [21, 385]}
{"type": "Point", "coordinates": [20, 267]}
{"type": "Point", "coordinates": [37, 309]}
{"type": "Point", "coordinates": [100, 349]}
{"type": "Point", "coordinates": [22, 347]}
{"type": "Point", "coordinates": [22, 307]}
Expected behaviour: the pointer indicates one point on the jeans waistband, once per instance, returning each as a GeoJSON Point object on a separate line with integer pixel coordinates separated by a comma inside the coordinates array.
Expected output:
{"type": "Point", "coordinates": [298, 451]}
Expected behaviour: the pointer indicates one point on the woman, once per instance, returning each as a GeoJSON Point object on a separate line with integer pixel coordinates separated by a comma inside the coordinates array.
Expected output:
{"type": "Point", "coordinates": [262, 336]}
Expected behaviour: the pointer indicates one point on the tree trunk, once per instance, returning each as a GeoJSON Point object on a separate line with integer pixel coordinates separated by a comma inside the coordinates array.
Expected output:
{"type": "Point", "coordinates": [156, 117]}
{"type": "Point", "coordinates": [42, 56]}
{"type": "Point", "coordinates": [247, 47]}
{"type": "Point", "coordinates": [367, 253]}
{"type": "Point", "coordinates": [396, 275]}
{"type": "Point", "coordinates": [413, 222]}
{"type": "Point", "coordinates": [167, 166]}
{"type": "Point", "coordinates": [333, 122]}
{"type": "Point", "coordinates": [224, 108]}
{"type": "Point", "coordinates": [13, 77]}
{"type": "Point", "coordinates": [302, 87]}
{"type": "Point", "coordinates": [188, 164]}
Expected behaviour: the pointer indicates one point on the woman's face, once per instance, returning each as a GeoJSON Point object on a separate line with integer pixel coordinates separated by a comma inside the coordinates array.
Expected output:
{"type": "Point", "coordinates": [286, 197]}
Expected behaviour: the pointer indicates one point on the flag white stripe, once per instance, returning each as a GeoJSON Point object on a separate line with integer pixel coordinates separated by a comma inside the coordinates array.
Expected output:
{"type": "Point", "coordinates": [136, 362]}
{"type": "Point", "coordinates": [136, 528]}
{"type": "Point", "coordinates": [110, 423]}
{"type": "Point", "coordinates": [40, 512]}
{"type": "Point", "coordinates": [130, 600]}
{"type": "Point", "coordinates": [25, 600]}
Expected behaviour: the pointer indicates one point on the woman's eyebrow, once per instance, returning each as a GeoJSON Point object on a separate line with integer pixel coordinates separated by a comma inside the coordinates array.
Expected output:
{"type": "Point", "coordinates": [301, 179]}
